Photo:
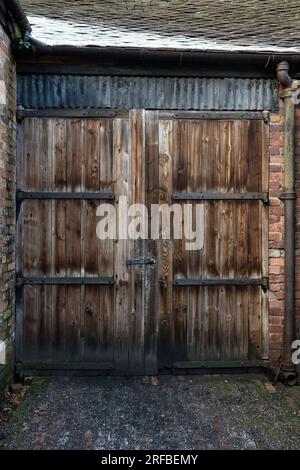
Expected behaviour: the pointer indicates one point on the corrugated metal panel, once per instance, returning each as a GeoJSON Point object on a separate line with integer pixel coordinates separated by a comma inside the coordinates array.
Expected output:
{"type": "Point", "coordinates": [124, 92]}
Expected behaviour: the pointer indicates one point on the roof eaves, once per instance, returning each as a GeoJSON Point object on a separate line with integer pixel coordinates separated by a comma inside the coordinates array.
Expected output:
{"type": "Point", "coordinates": [162, 62]}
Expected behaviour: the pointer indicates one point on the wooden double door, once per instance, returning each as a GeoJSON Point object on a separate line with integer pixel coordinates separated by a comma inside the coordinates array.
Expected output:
{"type": "Point", "coordinates": [138, 306]}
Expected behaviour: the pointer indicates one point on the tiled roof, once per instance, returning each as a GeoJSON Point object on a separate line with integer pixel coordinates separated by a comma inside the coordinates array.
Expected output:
{"type": "Point", "coordinates": [266, 25]}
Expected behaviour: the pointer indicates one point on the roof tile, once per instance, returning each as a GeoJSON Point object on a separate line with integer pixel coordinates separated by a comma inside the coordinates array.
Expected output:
{"type": "Point", "coordinates": [191, 24]}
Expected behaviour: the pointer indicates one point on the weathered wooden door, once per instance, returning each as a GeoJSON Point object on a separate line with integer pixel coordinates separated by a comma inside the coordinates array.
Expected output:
{"type": "Point", "coordinates": [80, 304]}
{"type": "Point", "coordinates": [85, 303]}
{"type": "Point", "coordinates": [212, 302]}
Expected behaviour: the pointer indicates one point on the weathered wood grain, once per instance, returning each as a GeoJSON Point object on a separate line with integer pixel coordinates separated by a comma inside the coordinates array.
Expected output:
{"type": "Point", "coordinates": [144, 322]}
{"type": "Point", "coordinates": [137, 273]}
{"type": "Point", "coordinates": [181, 169]}
{"type": "Point", "coordinates": [122, 172]}
{"type": "Point", "coordinates": [221, 322]}
{"type": "Point", "coordinates": [151, 295]}
{"type": "Point", "coordinates": [164, 251]}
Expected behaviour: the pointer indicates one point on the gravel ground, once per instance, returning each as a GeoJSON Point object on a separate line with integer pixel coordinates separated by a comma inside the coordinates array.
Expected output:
{"type": "Point", "coordinates": [171, 412]}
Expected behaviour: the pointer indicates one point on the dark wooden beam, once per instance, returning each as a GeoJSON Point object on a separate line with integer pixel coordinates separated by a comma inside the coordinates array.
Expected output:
{"type": "Point", "coordinates": [133, 61]}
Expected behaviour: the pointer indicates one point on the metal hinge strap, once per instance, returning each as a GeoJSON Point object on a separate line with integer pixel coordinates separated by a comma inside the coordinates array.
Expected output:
{"type": "Point", "coordinates": [221, 197]}
{"type": "Point", "coordinates": [263, 282]}
{"type": "Point", "coordinates": [30, 280]}
{"type": "Point", "coordinates": [48, 195]}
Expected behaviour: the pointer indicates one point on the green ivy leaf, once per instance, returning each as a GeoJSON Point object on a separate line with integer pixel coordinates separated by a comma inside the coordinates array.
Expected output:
{"type": "Point", "coordinates": [24, 44]}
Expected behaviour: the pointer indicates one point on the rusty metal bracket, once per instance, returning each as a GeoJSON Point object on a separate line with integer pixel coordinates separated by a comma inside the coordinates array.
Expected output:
{"type": "Point", "coordinates": [288, 195]}
{"type": "Point", "coordinates": [266, 117]}
{"type": "Point", "coordinates": [19, 113]}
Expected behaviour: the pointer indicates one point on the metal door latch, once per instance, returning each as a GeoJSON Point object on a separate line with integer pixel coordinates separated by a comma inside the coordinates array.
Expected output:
{"type": "Point", "coordinates": [140, 261]}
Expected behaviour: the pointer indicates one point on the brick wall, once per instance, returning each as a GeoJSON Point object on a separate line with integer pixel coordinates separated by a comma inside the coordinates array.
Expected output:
{"type": "Point", "coordinates": [276, 231]}
{"type": "Point", "coordinates": [7, 208]}
{"type": "Point", "coordinates": [276, 235]}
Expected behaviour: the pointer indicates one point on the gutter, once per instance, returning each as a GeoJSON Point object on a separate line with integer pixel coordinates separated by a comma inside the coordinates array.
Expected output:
{"type": "Point", "coordinates": [164, 62]}
{"type": "Point", "coordinates": [288, 196]}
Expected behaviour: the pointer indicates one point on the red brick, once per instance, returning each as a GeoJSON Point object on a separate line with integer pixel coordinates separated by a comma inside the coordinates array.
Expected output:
{"type": "Point", "coordinates": [7, 175]}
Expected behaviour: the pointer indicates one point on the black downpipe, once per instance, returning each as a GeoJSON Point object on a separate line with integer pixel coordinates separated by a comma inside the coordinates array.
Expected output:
{"type": "Point", "coordinates": [289, 198]}
{"type": "Point", "coordinates": [18, 14]}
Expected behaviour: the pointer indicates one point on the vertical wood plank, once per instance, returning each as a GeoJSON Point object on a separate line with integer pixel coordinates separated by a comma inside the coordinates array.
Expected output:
{"type": "Point", "coordinates": [137, 291]}
{"type": "Point", "coordinates": [181, 165]}
{"type": "Point", "coordinates": [242, 237]}
{"type": "Point", "coordinates": [59, 207]}
{"type": "Point", "coordinates": [58, 326]}
{"type": "Point", "coordinates": [122, 172]}
{"type": "Point", "coordinates": [73, 324]}
{"type": "Point", "coordinates": [90, 294]}
{"type": "Point", "coordinates": [44, 135]}
{"type": "Point", "coordinates": [58, 301]}
{"type": "Point", "coordinates": [30, 350]}
{"type": "Point", "coordinates": [91, 155]}
{"type": "Point", "coordinates": [164, 247]}
{"type": "Point", "coordinates": [265, 241]}
{"type": "Point", "coordinates": [28, 245]}
{"type": "Point", "coordinates": [31, 160]}
{"type": "Point", "coordinates": [255, 237]}
{"type": "Point", "coordinates": [106, 247]}
{"type": "Point", "coordinates": [19, 239]}
{"type": "Point", "coordinates": [106, 327]}
{"type": "Point", "coordinates": [151, 288]}
{"type": "Point", "coordinates": [91, 313]}
{"type": "Point", "coordinates": [106, 155]}
{"type": "Point", "coordinates": [73, 240]}
{"type": "Point", "coordinates": [196, 183]}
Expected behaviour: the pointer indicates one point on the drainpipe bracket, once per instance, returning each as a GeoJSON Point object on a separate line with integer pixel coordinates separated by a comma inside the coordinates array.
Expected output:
{"type": "Point", "coordinates": [19, 113]}
{"type": "Point", "coordinates": [266, 117]}
{"type": "Point", "coordinates": [288, 92]}
{"type": "Point", "coordinates": [288, 195]}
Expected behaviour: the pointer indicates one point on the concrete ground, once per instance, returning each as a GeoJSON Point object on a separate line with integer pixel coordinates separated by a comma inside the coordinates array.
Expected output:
{"type": "Point", "coordinates": [171, 412]}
